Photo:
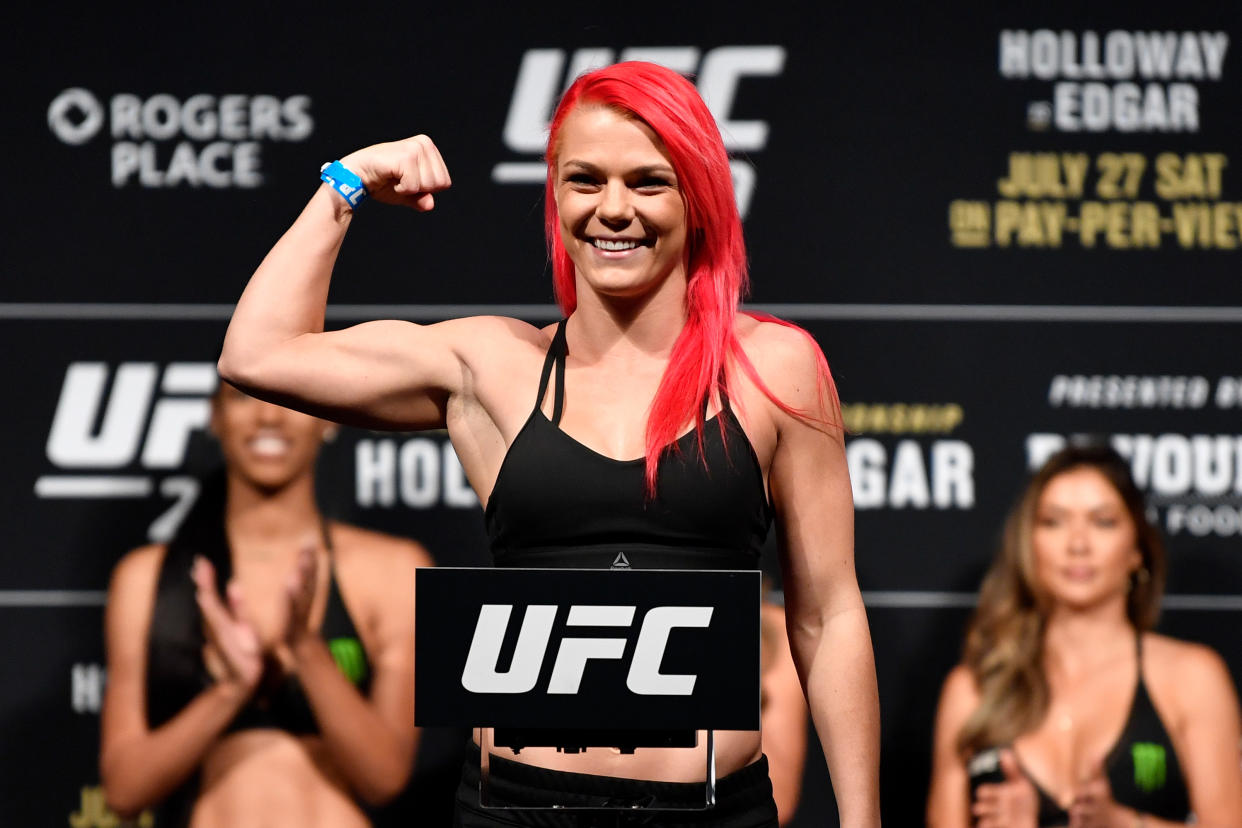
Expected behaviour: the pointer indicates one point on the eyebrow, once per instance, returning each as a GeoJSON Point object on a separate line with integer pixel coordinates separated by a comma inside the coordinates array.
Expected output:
{"type": "Point", "coordinates": [648, 169]}
{"type": "Point", "coordinates": [1091, 510]}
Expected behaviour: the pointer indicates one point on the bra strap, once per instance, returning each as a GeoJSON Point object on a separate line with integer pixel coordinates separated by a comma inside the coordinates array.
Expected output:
{"type": "Point", "coordinates": [326, 534]}
{"type": "Point", "coordinates": [555, 356]}
{"type": "Point", "coordinates": [562, 352]}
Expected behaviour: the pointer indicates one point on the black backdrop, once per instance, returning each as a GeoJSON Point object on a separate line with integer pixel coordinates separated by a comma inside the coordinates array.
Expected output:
{"type": "Point", "coordinates": [973, 315]}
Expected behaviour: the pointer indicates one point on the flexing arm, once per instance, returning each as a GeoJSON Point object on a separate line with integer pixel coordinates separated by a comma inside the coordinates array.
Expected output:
{"type": "Point", "coordinates": [828, 631]}
{"type": "Point", "coordinates": [140, 766]}
{"type": "Point", "coordinates": [370, 740]}
{"type": "Point", "coordinates": [382, 374]}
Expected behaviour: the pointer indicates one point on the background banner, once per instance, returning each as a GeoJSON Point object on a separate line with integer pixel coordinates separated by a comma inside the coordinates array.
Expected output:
{"type": "Point", "coordinates": [1004, 228]}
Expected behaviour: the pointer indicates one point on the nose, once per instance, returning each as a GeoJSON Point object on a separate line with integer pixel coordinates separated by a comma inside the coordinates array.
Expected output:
{"type": "Point", "coordinates": [268, 414]}
{"type": "Point", "coordinates": [1079, 544]}
{"type": "Point", "coordinates": [615, 209]}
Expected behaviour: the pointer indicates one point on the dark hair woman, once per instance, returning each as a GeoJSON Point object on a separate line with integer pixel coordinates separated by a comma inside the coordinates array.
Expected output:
{"type": "Point", "coordinates": [261, 664]}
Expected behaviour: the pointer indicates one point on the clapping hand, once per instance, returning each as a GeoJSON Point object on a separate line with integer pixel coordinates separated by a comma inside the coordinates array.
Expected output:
{"type": "Point", "coordinates": [300, 588]}
{"type": "Point", "coordinates": [232, 653]}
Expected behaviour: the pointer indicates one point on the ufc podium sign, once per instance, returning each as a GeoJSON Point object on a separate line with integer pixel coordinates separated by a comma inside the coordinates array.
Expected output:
{"type": "Point", "coordinates": [587, 649]}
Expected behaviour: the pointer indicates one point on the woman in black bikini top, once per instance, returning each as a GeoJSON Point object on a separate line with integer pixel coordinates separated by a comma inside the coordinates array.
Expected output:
{"type": "Point", "coordinates": [1067, 710]}
{"type": "Point", "coordinates": [261, 664]}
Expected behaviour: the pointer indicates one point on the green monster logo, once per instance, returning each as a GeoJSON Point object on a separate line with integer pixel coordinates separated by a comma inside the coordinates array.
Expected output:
{"type": "Point", "coordinates": [1149, 766]}
{"type": "Point", "coordinates": [348, 655]}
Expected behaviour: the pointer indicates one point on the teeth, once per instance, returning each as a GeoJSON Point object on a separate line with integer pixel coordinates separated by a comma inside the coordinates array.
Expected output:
{"type": "Point", "coordinates": [269, 445]}
{"type": "Point", "coordinates": [608, 244]}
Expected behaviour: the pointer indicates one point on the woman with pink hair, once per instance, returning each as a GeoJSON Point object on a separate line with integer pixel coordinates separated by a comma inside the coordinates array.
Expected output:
{"type": "Point", "coordinates": [675, 429]}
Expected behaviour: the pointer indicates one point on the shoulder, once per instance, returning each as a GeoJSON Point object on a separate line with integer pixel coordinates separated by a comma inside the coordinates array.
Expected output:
{"type": "Point", "coordinates": [495, 346]}
{"type": "Point", "coordinates": [786, 357]}
{"type": "Point", "coordinates": [495, 332]}
{"type": "Point", "coordinates": [959, 696]}
{"type": "Point", "coordinates": [376, 566]}
{"type": "Point", "coordinates": [138, 569]}
{"type": "Point", "coordinates": [503, 328]}
{"type": "Point", "coordinates": [1189, 674]}
{"type": "Point", "coordinates": [372, 551]}
{"type": "Point", "coordinates": [768, 339]}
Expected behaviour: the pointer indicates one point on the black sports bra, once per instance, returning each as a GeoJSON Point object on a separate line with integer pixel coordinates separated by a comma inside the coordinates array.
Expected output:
{"type": "Point", "coordinates": [558, 503]}
{"type": "Point", "coordinates": [1142, 767]}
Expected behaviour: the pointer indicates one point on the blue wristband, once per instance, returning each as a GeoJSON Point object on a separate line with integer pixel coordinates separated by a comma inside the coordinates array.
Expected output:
{"type": "Point", "coordinates": [339, 178]}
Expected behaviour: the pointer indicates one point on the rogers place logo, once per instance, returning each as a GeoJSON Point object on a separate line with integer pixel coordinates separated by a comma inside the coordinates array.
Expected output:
{"type": "Point", "coordinates": [218, 138]}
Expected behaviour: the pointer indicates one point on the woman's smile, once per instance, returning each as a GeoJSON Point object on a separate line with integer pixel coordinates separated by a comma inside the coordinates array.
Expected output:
{"type": "Point", "coordinates": [622, 215]}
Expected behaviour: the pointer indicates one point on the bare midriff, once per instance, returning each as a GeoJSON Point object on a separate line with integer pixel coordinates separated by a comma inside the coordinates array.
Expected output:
{"type": "Point", "coordinates": [264, 777]}
{"type": "Point", "coordinates": [735, 749]}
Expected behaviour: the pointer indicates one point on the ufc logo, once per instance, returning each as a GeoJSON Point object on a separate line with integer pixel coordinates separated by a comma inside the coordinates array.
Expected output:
{"type": "Point", "coordinates": [75, 442]}
{"type": "Point", "coordinates": [645, 679]}
{"type": "Point", "coordinates": [100, 428]}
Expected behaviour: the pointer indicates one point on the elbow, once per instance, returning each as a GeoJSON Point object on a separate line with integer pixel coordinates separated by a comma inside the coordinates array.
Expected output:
{"type": "Point", "coordinates": [232, 367]}
{"type": "Point", "coordinates": [238, 370]}
{"type": "Point", "coordinates": [126, 809]}
{"type": "Point", "coordinates": [386, 780]}
{"type": "Point", "coordinates": [122, 795]}
{"type": "Point", "coordinates": [382, 788]}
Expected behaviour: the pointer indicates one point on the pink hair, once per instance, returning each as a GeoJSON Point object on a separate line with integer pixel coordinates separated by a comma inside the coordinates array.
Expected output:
{"type": "Point", "coordinates": [716, 269]}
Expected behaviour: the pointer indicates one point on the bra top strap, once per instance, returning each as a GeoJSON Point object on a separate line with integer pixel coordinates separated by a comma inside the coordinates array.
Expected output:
{"type": "Point", "coordinates": [724, 401]}
{"type": "Point", "coordinates": [556, 356]}
{"type": "Point", "coordinates": [326, 534]}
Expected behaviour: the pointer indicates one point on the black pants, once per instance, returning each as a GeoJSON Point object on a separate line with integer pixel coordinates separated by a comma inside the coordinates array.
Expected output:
{"type": "Point", "coordinates": [743, 799]}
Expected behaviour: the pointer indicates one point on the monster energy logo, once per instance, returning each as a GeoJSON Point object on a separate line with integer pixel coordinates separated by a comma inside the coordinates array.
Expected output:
{"type": "Point", "coordinates": [348, 655]}
{"type": "Point", "coordinates": [1149, 766]}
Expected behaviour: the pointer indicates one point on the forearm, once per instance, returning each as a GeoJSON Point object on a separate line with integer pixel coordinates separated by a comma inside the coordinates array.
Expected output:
{"type": "Point", "coordinates": [141, 771]}
{"type": "Point", "coordinates": [364, 747]}
{"type": "Point", "coordinates": [844, 702]}
{"type": "Point", "coordinates": [1130, 818]}
{"type": "Point", "coordinates": [288, 292]}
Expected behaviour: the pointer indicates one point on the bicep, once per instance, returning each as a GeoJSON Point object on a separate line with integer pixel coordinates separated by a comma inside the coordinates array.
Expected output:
{"type": "Point", "coordinates": [811, 496]}
{"type": "Point", "coordinates": [381, 374]}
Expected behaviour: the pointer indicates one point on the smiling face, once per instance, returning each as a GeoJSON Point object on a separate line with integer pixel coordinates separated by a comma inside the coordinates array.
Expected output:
{"type": "Point", "coordinates": [1084, 542]}
{"type": "Point", "coordinates": [622, 216]}
{"type": "Point", "coordinates": [265, 445]}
